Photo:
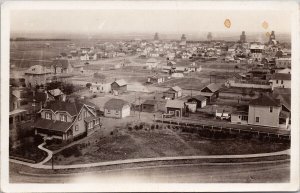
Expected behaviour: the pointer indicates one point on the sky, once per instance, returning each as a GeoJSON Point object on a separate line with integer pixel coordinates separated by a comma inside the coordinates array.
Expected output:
{"type": "Point", "coordinates": [91, 22]}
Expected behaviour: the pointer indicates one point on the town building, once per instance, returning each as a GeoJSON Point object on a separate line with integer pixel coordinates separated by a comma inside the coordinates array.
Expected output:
{"type": "Point", "coordinates": [151, 63]}
{"type": "Point", "coordinates": [176, 108]}
{"type": "Point", "coordinates": [61, 66]}
{"type": "Point", "coordinates": [281, 80]}
{"type": "Point", "coordinates": [264, 111]}
{"type": "Point", "coordinates": [118, 87]}
{"type": "Point", "coordinates": [116, 108]}
{"type": "Point", "coordinates": [37, 75]}
{"type": "Point", "coordinates": [173, 93]}
{"type": "Point", "coordinates": [100, 87]}
{"type": "Point", "coordinates": [257, 52]}
{"type": "Point", "coordinates": [66, 121]}
{"type": "Point", "coordinates": [155, 79]}
{"type": "Point", "coordinates": [198, 100]}
{"type": "Point", "coordinates": [283, 62]}
{"type": "Point", "coordinates": [211, 92]}
{"type": "Point", "coordinates": [243, 37]}
{"type": "Point", "coordinates": [149, 106]}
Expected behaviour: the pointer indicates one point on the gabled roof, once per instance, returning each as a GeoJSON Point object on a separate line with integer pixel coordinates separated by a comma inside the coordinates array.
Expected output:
{"type": "Point", "coordinates": [115, 104]}
{"type": "Point", "coordinates": [63, 63]}
{"type": "Point", "coordinates": [265, 100]}
{"type": "Point", "coordinates": [281, 76]}
{"type": "Point", "coordinates": [56, 92]}
{"type": "Point", "coordinates": [73, 108]}
{"type": "Point", "coordinates": [37, 69]}
{"type": "Point", "coordinates": [152, 60]}
{"type": "Point", "coordinates": [176, 88]}
{"type": "Point", "coordinates": [52, 125]}
{"type": "Point", "coordinates": [150, 102]}
{"type": "Point", "coordinates": [212, 87]}
{"type": "Point", "coordinates": [175, 104]}
{"type": "Point", "coordinates": [121, 82]}
{"type": "Point", "coordinates": [198, 97]}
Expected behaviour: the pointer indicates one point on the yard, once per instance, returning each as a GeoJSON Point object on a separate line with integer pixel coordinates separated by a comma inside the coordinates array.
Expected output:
{"type": "Point", "coordinates": [147, 142]}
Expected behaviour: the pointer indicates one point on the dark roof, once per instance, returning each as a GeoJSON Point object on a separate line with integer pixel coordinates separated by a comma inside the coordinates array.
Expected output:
{"type": "Point", "coordinates": [212, 87]}
{"type": "Point", "coordinates": [64, 63]}
{"type": "Point", "coordinates": [72, 108]}
{"type": "Point", "coordinates": [265, 100]}
{"type": "Point", "coordinates": [40, 97]}
{"type": "Point", "coordinates": [198, 97]}
{"type": "Point", "coordinates": [115, 104]}
{"type": "Point", "coordinates": [52, 125]}
{"type": "Point", "coordinates": [281, 76]}
{"type": "Point", "coordinates": [150, 102]}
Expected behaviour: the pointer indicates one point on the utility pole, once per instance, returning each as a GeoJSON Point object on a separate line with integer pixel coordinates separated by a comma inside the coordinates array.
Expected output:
{"type": "Point", "coordinates": [139, 108]}
{"type": "Point", "coordinates": [52, 162]}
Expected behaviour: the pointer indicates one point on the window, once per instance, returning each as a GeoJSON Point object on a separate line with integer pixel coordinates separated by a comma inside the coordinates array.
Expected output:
{"type": "Point", "coordinates": [85, 114]}
{"type": "Point", "coordinates": [276, 81]}
{"type": "Point", "coordinates": [257, 119]}
{"type": "Point", "coordinates": [48, 116]}
{"type": "Point", "coordinates": [76, 128]}
{"type": "Point", "coordinates": [281, 81]}
{"type": "Point", "coordinates": [244, 118]}
{"type": "Point", "coordinates": [271, 109]}
{"type": "Point", "coordinates": [79, 118]}
{"type": "Point", "coordinates": [63, 118]}
{"type": "Point", "coordinates": [108, 111]}
{"type": "Point", "coordinates": [97, 122]}
{"type": "Point", "coordinates": [117, 112]}
{"type": "Point", "coordinates": [90, 125]}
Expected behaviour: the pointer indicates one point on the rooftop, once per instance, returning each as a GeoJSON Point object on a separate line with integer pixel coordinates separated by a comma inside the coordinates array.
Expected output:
{"type": "Point", "coordinates": [175, 104]}
{"type": "Point", "coordinates": [115, 104]}
{"type": "Point", "coordinates": [265, 100]}
{"type": "Point", "coordinates": [52, 125]}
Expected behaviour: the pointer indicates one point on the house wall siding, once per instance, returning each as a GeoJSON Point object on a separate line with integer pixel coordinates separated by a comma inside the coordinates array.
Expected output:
{"type": "Point", "coordinates": [266, 118]}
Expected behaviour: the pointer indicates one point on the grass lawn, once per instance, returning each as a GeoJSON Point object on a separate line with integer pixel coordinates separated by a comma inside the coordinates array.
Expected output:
{"type": "Point", "coordinates": [130, 144]}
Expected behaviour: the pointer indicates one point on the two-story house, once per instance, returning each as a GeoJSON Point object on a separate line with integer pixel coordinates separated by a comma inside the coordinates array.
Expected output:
{"type": "Point", "coordinates": [264, 111]}
{"type": "Point", "coordinates": [281, 80]}
{"type": "Point", "coordinates": [66, 121]}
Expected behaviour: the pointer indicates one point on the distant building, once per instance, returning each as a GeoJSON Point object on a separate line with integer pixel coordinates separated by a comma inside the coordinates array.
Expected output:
{"type": "Point", "coordinates": [283, 62]}
{"type": "Point", "coordinates": [155, 79]}
{"type": "Point", "coordinates": [149, 106]}
{"type": "Point", "coordinates": [116, 108]}
{"type": "Point", "coordinates": [151, 63]}
{"type": "Point", "coordinates": [209, 36]}
{"type": "Point", "coordinates": [272, 39]}
{"type": "Point", "coordinates": [37, 75]}
{"type": "Point", "coordinates": [212, 90]}
{"type": "Point", "coordinates": [173, 93]}
{"type": "Point", "coordinates": [156, 38]}
{"type": "Point", "coordinates": [243, 37]}
{"type": "Point", "coordinates": [256, 52]}
{"type": "Point", "coordinates": [281, 80]}
{"type": "Point", "coordinates": [119, 86]}
{"type": "Point", "coordinates": [199, 100]}
{"type": "Point", "coordinates": [176, 108]}
{"type": "Point", "coordinates": [66, 121]}
{"type": "Point", "coordinates": [100, 87]}
{"type": "Point", "coordinates": [61, 66]}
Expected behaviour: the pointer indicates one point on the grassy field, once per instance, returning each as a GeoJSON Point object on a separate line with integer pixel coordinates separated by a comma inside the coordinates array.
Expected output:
{"type": "Point", "coordinates": [186, 83]}
{"type": "Point", "coordinates": [129, 144]}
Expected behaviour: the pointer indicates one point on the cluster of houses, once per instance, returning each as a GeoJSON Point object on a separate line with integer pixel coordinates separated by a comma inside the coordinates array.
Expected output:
{"type": "Point", "coordinates": [57, 116]}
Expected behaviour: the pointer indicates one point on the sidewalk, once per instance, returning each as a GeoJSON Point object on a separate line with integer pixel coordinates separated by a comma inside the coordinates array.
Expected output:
{"type": "Point", "coordinates": [128, 161]}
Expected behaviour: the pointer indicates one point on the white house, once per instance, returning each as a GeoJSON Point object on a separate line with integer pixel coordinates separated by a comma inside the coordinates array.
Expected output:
{"type": "Point", "coordinates": [281, 80]}
{"type": "Point", "coordinates": [100, 87]}
{"type": "Point", "coordinates": [151, 63]}
{"type": "Point", "coordinates": [116, 108]}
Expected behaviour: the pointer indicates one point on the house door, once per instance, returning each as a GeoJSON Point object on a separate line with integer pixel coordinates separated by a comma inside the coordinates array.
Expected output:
{"type": "Point", "coordinates": [177, 113]}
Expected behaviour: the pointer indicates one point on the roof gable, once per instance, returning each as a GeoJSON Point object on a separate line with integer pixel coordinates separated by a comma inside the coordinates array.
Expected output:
{"type": "Point", "coordinates": [265, 100]}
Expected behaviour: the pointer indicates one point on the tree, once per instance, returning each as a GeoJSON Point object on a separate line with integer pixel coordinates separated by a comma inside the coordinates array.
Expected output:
{"type": "Point", "coordinates": [69, 89]}
{"type": "Point", "coordinates": [88, 85]}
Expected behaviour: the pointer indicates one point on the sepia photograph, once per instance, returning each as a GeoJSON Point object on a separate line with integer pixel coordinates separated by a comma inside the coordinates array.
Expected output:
{"type": "Point", "coordinates": [149, 96]}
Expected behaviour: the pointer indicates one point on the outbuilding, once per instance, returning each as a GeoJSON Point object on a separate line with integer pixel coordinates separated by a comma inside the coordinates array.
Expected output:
{"type": "Point", "coordinates": [116, 108]}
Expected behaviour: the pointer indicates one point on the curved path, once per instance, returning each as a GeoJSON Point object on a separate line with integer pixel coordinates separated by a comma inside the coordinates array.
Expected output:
{"type": "Point", "coordinates": [108, 163]}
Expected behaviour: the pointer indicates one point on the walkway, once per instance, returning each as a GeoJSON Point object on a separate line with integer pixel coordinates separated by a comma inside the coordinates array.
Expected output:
{"type": "Point", "coordinates": [141, 160]}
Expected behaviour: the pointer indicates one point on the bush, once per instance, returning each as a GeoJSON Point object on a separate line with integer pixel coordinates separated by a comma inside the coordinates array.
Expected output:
{"type": "Point", "coordinates": [130, 128]}
{"type": "Point", "coordinates": [88, 85]}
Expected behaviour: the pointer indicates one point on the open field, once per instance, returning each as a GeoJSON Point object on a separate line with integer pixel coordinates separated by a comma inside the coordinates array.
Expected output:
{"type": "Point", "coordinates": [186, 83]}
{"type": "Point", "coordinates": [129, 144]}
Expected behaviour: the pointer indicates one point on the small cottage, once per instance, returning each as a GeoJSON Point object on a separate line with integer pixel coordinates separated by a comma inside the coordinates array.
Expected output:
{"type": "Point", "coordinates": [116, 108]}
